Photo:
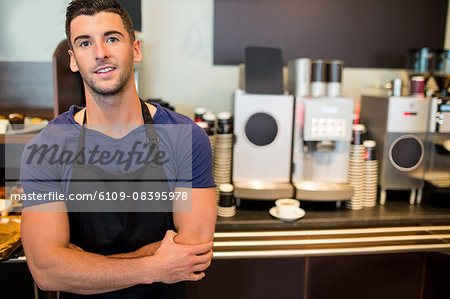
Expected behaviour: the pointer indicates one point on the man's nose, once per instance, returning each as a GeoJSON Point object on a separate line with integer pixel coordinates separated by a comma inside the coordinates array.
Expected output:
{"type": "Point", "coordinates": [102, 50]}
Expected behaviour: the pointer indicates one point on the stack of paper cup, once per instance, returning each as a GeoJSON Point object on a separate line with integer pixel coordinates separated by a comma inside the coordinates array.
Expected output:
{"type": "Point", "coordinates": [356, 169]}
{"type": "Point", "coordinates": [227, 206]}
{"type": "Point", "coordinates": [356, 176]}
{"type": "Point", "coordinates": [223, 144]}
{"type": "Point", "coordinates": [210, 119]}
{"type": "Point", "coordinates": [370, 175]}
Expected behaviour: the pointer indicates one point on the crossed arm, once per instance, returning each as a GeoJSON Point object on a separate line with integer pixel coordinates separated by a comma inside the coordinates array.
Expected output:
{"type": "Point", "coordinates": [58, 265]}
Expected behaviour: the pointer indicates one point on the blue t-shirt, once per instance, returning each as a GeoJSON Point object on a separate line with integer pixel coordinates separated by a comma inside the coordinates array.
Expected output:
{"type": "Point", "coordinates": [46, 163]}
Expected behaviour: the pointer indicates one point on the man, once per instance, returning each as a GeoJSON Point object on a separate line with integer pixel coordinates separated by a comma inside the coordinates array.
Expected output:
{"type": "Point", "coordinates": [115, 254]}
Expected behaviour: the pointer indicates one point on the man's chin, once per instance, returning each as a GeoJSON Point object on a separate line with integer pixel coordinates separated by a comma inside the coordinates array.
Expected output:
{"type": "Point", "coordinates": [106, 89]}
{"type": "Point", "coordinates": [106, 92]}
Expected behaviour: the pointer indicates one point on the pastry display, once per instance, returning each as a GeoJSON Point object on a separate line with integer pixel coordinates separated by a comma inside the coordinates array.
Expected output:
{"type": "Point", "coordinates": [17, 120]}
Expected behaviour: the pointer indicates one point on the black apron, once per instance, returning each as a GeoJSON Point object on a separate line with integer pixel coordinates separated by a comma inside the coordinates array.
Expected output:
{"type": "Point", "coordinates": [121, 232]}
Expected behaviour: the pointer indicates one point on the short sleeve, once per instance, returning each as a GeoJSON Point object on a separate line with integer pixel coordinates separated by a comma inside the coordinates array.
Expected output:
{"type": "Point", "coordinates": [39, 179]}
{"type": "Point", "coordinates": [199, 167]}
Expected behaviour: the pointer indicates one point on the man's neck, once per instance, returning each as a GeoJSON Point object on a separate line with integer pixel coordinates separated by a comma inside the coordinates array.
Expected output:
{"type": "Point", "coordinates": [119, 109]}
{"type": "Point", "coordinates": [115, 119]}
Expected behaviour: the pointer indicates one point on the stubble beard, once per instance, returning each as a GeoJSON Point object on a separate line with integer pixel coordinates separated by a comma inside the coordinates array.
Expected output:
{"type": "Point", "coordinates": [106, 97]}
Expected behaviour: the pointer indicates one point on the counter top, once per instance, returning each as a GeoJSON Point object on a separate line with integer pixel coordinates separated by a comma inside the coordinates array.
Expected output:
{"type": "Point", "coordinates": [253, 217]}
{"type": "Point", "coordinates": [329, 230]}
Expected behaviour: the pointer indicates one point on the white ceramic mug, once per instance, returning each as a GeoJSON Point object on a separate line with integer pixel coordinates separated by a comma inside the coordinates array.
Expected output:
{"type": "Point", "coordinates": [287, 207]}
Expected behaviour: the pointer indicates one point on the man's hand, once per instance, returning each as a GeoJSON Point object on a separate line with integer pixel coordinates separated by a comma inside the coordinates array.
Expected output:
{"type": "Point", "coordinates": [178, 262]}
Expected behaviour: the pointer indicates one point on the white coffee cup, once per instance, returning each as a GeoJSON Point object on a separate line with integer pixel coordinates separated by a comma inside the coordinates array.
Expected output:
{"type": "Point", "coordinates": [287, 207]}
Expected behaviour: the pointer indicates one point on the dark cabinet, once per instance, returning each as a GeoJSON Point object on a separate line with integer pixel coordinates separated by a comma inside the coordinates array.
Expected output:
{"type": "Point", "coordinates": [407, 275]}
{"type": "Point", "coordinates": [251, 278]}
{"type": "Point", "coordinates": [387, 276]}
{"type": "Point", "coordinates": [437, 276]}
{"type": "Point", "coordinates": [396, 276]}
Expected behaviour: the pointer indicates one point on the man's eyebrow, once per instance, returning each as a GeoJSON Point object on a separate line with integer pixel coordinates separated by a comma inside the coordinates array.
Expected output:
{"type": "Point", "coordinates": [80, 37]}
{"type": "Point", "coordinates": [108, 33]}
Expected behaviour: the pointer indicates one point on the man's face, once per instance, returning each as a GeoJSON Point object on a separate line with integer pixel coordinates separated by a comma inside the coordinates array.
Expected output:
{"type": "Point", "coordinates": [102, 52]}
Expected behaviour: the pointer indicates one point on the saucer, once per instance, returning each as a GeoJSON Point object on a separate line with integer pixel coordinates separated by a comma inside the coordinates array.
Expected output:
{"type": "Point", "coordinates": [299, 214]}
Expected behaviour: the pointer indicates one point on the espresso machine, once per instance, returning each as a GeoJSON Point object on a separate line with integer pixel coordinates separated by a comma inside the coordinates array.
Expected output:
{"type": "Point", "coordinates": [262, 148]}
{"type": "Point", "coordinates": [437, 173]}
{"type": "Point", "coordinates": [322, 130]}
{"type": "Point", "coordinates": [322, 137]}
{"type": "Point", "coordinates": [399, 125]}
{"type": "Point", "coordinates": [262, 124]}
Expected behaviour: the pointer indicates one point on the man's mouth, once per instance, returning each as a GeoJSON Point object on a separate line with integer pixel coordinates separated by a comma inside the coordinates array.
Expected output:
{"type": "Point", "coordinates": [105, 70]}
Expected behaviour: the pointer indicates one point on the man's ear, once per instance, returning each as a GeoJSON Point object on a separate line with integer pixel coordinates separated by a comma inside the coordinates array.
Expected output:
{"type": "Point", "coordinates": [73, 62]}
{"type": "Point", "coordinates": [137, 53]}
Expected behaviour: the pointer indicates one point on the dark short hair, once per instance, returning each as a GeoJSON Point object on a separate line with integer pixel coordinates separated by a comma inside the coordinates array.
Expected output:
{"type": "Point", "coordinates": [91, 7]}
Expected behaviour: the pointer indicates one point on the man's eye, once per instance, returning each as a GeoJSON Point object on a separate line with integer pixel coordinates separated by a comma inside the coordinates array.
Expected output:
{"type": "Point", "coordinates": [84, 44]}
{"type": "Point", "coordinates": [112, 39]}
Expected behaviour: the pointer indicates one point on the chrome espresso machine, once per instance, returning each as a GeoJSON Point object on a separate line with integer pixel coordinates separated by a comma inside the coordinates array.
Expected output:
{"type": "Point", "coordinates": [322, 131]}
{"type": "Point", "coordinates": [437, 173]}
{"type": "Point", "coordinates": [322, 137]}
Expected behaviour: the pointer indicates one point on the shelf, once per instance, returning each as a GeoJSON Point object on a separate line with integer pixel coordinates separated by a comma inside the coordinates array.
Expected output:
{"type": "Point", "coordinates": [273, 244]}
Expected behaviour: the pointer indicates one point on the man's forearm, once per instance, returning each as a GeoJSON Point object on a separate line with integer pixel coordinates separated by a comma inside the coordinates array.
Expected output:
{"type": "Point", "coordinates": [197, 226]}
{"type": "Point", "coordinates": [75, 271]}
{"type": "Point", "coordinates": [146, 250]}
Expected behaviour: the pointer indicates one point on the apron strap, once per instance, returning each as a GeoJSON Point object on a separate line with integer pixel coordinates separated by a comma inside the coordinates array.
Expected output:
{"type": "Point", "coordinates": [146, 116]}
{"type": "Point", "coordinates": [80, 148]}
{"type": "Point", "coordinates": [149, 124]}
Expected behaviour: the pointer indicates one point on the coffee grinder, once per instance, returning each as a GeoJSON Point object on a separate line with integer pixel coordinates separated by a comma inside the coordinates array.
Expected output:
{"type": "Point", "coordinates": [420, 62]}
